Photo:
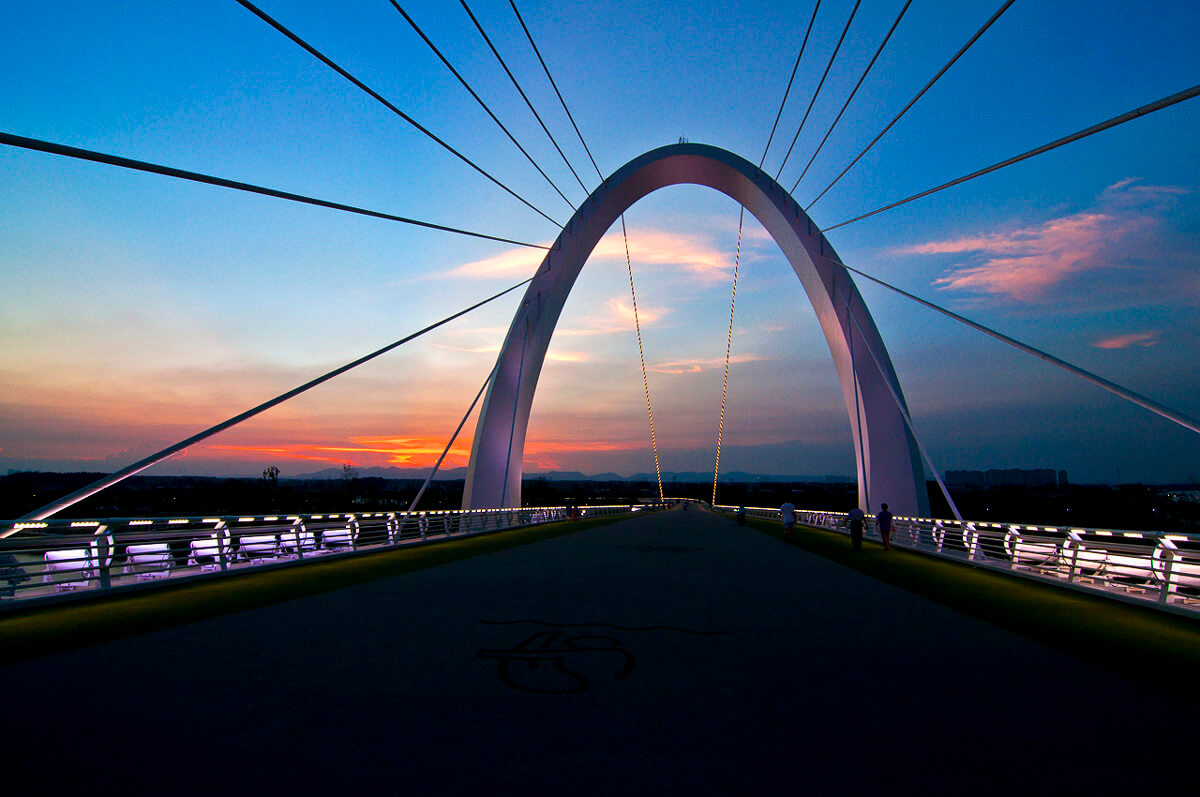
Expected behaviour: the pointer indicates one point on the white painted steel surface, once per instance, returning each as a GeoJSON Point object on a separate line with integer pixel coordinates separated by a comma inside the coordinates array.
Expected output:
{"type": "Point", "coordinates": [889, 462]}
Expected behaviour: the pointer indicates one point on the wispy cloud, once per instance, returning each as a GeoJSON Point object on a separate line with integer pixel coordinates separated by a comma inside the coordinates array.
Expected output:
{"type": "Point", "coordinates": [1142, 339]}
{"type": "Point", "coordinates": [695, 254]}
{"type": "Point", "coordinates": [696, 366]}
{"type": "Point", "coordinates": [616, 318]}
{"type": "Point", "coordinates": [1025, 263]}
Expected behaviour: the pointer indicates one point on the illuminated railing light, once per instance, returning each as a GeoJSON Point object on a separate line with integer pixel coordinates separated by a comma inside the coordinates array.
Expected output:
{"type": "Point", "coordinates": [141, 522]}
{"type": "Point", "coordinates": [177, 521]}
{"type": "Point", "coordinates": [272, 517]}
{"type": "Point", "coordinates": [211, 520]}
{"type": "Point", "coordinates": [84, 524]}
{"type": "Point", "coordinates": [318, 517]}
{"type": "Point", "coordinates": [245, 520]}
{"type": "Point", "coordinates": [31, 525]}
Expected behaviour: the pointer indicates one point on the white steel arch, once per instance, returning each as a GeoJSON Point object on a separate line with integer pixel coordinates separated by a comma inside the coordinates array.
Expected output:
{"type": "Point", "coordinates": [889, 462]}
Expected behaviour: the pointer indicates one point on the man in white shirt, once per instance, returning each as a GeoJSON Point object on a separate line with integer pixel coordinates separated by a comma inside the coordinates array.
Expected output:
{"type": "Point", "coordinates": [787, 513]}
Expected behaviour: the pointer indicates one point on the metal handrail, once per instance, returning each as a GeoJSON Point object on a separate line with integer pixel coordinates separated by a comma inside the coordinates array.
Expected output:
{"type": "Point", "coordinates": [48, 558]}
{"type": "Point", "coordinates": [1151, 567]}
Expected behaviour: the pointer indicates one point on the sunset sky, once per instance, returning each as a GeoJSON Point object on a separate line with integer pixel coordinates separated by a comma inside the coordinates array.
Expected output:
{"type": "Point", "coordinates": [136, 310]}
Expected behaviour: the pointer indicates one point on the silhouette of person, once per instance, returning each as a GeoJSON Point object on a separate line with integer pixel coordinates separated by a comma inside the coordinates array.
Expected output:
{"type": "Point", "coordinates": [883, 521]}
{"type": "Point", "coordinates": [787, 513]}
{"type": "Point", "coordinates": [741, 516]}
{"type": "Point", "coordinates": [855, 520]}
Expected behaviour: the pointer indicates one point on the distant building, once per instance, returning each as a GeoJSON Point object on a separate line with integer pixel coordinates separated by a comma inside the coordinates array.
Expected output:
{"type": "Point", "coordinates": [1010, 477]}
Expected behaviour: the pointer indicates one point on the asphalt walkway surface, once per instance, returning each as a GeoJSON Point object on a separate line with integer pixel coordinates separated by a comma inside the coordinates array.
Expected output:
{"type": "Point", "coordinates": [666, 654]}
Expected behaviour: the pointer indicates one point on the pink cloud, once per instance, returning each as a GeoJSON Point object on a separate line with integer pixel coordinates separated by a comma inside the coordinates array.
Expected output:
{"type": "Point", "coordinates": [1025, 263]}
{"type": "Point", "coordinates": [1142, 339]}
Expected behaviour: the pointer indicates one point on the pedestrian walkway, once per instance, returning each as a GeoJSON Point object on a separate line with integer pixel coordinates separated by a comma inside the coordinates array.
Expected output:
{"type": "Point", "coordinates": [664, 654]}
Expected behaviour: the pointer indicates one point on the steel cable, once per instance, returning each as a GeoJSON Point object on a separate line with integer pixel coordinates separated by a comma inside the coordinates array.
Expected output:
{"type": "Point", "coordinates": [554, 85]}
{"type": "Point", "coordinates": [728, 349]}
{"type": "Point", "coordinates": [816, 93]}
{"type": "Point", "coordinates": [788, 90]}
{"type": "Point", "coordinates": [517, 85]}
{"type": "Point", "coordinates": [141, 465]}
{"type": "Point", "coordinates": [478, 99]}
{"type": "Point", "coordinates": [52, 148]}
{"type": "Point", "coordinates": [1112, 387]}
{"type": "Point", "coordinates": [624, 234]}
{"type": "Point", "coordinates": [376, 96]}
{"type": "Point", "coordinates": [913, 101]}
{"type": "Point", "coordinates": [846, 105]}
{"type": "Point", "coordinates": [1128, 116]}
{"type": "Point", "coordinates": [642, 356]}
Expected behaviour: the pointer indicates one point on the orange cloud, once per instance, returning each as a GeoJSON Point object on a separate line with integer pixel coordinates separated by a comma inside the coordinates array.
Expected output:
{"type": "Point", "coordinates": [1142, 339]}
{"type": "Point", "coordinates": [410, 452]}
{"type": "Point", "coordinates": [693, 253]}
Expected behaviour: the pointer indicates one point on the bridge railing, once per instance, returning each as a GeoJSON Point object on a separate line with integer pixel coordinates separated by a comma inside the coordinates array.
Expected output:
{"type": "Point", "coordinates": [48, 558]}
{"type": "Point", "coordinates": [1157, 567]}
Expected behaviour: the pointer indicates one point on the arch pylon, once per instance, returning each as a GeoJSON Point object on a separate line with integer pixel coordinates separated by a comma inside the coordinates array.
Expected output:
{"type": "Point", "coordinates": [889, 462]}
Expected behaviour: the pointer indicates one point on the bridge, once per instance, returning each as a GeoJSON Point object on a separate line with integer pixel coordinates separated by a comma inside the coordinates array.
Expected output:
{"type": "Point", "coordinates": [694, 638]}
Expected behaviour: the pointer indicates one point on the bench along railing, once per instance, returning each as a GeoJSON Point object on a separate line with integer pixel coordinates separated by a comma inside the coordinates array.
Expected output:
{"type": "Point", "coordinates": [51, 557]}
{"type": "Point", "coordinates": [1150, 566]}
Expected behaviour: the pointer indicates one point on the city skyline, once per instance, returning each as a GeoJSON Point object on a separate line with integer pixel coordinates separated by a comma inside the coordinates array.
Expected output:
{"type": "Point", "coordinates": [138, 310]}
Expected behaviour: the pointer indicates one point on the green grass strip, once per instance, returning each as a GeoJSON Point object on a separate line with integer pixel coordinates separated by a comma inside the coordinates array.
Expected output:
{"type": "Point", "coordinates": [50, 628]}
{"type": "Point", "coordinates": [1140, 642]}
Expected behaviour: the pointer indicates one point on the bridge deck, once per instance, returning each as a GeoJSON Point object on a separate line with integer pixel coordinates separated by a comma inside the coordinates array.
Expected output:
{"type": "Point", "coordinates": [663, 653]}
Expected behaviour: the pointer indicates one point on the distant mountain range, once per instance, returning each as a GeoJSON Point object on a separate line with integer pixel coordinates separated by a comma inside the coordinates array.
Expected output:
{"type": "Point", "coordinates": [574, 475]}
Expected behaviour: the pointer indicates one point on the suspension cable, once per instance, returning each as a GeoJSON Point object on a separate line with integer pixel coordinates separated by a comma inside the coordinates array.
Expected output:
{"type": "Point", "coordinates": [913, 101]}
{"type": "Point", "coordinates": [479, 100]}
{"type": "Point", "coordinates": [728, 349]}
{"type": "Point", "coordinates": [857, 85]}
{"type": "Point", "coordinates": [412, 506]}
{"type": "Point", "coordinates": [637, 324]}
{"type": "Point", "coordinates": [624, 234]}
{"type": "Point", "coordinates": [376, 96]}
{"type": "Point", "coordinates": [904, 414]}
{"type": "Point", "coordinates": [141, 465]}
{"type": "Point", "coordinates": [1166, 102]}
{"type": "Point", "coordinates": [813, 99]}
{"type": "Point", "coordinates": [520, 90]}
{"type": "Point", "coordinates": [1112, 387]}
{"type": "Point", "coordinates": [557, 93]}
{"type": "Point", "coordinates": [788, 90]}
{"type": "Point", "coordinates": [52, 148]}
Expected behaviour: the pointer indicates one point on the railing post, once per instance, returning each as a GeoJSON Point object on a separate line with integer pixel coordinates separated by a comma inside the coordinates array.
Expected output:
{"type": "Point", "coordinates": [102, 552]}
{"type": "Point", "coordinates": [1170, 551]}
{"type": "Point", "coordinates": [970, 531]}
{"type": "Point", "coordinates": [221, 536]}
{"type": "Point", "coordinates": [1073, 570]}
{"type": "Point", "coordinates": [298, 537]}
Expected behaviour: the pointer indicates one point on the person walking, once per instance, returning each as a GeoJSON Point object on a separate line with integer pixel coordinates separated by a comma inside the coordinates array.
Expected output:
{"type": "Point", "coordinates": [883, 522]}
{"type": "Point", "coordinates": [787, 513]}
{"type": "Point", "coordinates": [855, 519]}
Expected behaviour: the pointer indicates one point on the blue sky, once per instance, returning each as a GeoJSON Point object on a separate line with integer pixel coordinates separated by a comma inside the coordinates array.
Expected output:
{"type": "Point", "coordinates": [136, 310]}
